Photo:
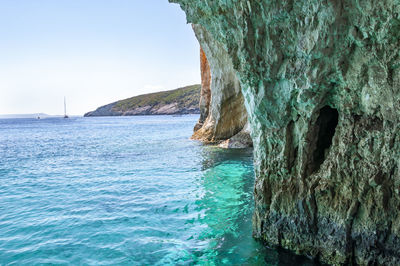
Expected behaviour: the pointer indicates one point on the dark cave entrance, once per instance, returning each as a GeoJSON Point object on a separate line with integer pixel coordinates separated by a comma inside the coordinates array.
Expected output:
{"type": "Point", "coordinates": [325, 128]}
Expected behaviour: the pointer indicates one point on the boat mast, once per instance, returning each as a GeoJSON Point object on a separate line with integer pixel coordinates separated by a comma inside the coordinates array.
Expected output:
{"type": "Point", "coordinates": [65, 109]}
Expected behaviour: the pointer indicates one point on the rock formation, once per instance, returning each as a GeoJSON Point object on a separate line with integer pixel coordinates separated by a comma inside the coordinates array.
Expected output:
{"type": "Point", "coordinates": [321, 85]}
{"type": "Point", "coordinates": [205, 94]}
{"type": "Point", "coordinates": [223, 114]}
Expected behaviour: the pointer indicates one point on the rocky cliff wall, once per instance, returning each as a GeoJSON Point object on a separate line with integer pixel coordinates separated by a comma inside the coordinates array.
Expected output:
{"type": "Point", "coordinates": [205, 93]}
{"type": "Point", "coordinates": [223, 113]}
{"type": "Point", "coordinates": [321, 83]}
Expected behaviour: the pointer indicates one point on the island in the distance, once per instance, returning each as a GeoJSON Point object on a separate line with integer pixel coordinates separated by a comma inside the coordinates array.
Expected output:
{"type": "Point", "coordinates": [174, 102]}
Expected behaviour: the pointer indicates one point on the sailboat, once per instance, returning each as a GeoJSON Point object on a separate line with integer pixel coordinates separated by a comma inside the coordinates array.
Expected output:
{"type": "Point", "coordinates": [65, 109]}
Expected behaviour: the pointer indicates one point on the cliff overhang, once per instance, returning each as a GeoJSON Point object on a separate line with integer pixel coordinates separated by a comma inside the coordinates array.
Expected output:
{"type": "Point", "coordinates": [321, 85]}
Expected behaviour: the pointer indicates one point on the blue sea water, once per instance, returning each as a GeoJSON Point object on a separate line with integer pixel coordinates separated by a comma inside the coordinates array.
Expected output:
{"type": "Point", "coordinates": [124, 191]}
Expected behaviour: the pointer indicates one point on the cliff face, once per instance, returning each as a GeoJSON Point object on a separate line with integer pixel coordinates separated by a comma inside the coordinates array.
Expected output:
{"type": "Point", "coordinates": [179, 101]}
{"type": "Point", "coordinates": [205, 94]}
{"type": "Point", "coordinates": [321, 84]}
{"type": "Point", "coordinates": [223, 114]}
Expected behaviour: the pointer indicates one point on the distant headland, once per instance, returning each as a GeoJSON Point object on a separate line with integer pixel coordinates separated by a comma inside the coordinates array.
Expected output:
{"type": "Point", "coordinates": [179, 101]}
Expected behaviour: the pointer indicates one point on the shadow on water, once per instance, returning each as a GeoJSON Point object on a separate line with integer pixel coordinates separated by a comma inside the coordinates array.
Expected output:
{"type": "Point", "coordinates": [228, 180]}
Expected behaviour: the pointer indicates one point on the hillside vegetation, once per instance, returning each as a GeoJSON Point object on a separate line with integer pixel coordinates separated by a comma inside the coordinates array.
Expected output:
{"type": "Point", "coordinates": [179, 101]}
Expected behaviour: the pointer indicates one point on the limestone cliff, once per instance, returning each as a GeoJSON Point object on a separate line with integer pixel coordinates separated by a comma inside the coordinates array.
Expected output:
{"type": "Point", "coordinates": [223, 114]}
{"type": "Point", "coordinates": [205, 93]}
{"type": "Point", "coordinates": [321, 84]}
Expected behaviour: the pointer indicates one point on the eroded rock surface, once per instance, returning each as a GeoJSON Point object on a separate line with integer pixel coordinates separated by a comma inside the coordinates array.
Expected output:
{"type": "Point", "coordinates": [321, 82]}
{"type": "Point", "coordinates": [239, 140]}
{"type": "Point", "coordinates": [205, 94]}
{"type": "Point", "coordinates": [223, 113]}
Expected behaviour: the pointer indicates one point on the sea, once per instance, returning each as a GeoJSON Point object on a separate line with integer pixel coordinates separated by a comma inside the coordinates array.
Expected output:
{"type": "Point", "coordinates": [125, 191]}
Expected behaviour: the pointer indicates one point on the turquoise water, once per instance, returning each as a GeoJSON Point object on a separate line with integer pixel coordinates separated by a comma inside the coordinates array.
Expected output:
{"type": "Point", "coordinates": [123, 191]}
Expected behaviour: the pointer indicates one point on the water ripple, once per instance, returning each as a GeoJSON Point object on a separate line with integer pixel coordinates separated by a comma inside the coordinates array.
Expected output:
{"type": "Point", "coordinates": [122, 191]}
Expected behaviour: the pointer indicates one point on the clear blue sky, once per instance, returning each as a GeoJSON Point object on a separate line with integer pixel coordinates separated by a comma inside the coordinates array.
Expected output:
{"type": "Point", "coordinates": [92, 51]}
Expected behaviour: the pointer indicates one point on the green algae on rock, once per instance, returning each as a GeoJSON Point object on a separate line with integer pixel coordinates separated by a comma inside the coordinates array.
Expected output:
{"type": "Point", "coordinates": [321, 85]}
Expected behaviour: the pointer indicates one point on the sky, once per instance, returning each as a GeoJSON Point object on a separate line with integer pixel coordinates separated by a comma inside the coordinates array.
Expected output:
{"type": "Point", "coordinates": [93, 52]}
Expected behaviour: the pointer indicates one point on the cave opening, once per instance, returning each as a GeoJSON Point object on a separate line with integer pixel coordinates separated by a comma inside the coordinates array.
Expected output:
{"type": "Point", "coordinates": [325, 126]}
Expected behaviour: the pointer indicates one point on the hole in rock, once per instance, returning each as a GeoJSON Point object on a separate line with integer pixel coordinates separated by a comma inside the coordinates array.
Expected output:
{"type": "Point", "coordinates": [325, 126]}
{"type": "Point", "coordinates": [291, 148]}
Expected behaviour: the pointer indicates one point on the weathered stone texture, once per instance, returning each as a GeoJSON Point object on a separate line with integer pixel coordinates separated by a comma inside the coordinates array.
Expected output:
{"type": "Point", "coordinates": [226, 113]}
{"type": "Point", "coordinates": [321, 82]}
{"type": "Point", "coordinates": [205, 94]}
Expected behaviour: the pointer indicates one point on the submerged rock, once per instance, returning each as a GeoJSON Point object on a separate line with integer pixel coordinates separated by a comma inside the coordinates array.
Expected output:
{"type": "Point", "coordinates": [321, 85]}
